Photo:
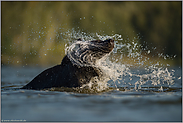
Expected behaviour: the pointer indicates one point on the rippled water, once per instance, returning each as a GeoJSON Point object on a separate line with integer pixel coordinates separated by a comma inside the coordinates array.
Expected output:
{"type": "Point", "coordinates": [124, 103]}
{"type": "Point", "coordinates": [142, 91]}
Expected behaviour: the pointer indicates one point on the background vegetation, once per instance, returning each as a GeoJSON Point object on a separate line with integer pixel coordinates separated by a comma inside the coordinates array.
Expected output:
{"type": "Point", "coordinates": [30, 30]}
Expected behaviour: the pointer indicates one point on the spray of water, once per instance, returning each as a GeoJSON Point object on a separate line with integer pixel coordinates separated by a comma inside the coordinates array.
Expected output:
{"type": "Point", "coordinates": [118, 65]}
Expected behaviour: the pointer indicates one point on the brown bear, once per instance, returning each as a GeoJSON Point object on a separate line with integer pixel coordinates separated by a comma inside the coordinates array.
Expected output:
{"type": "Point", "coordinates": [78, 67]}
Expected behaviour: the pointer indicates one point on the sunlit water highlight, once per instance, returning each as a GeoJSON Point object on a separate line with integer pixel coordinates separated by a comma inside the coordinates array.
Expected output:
{"type": "Point", "coordinates": [118, 74]}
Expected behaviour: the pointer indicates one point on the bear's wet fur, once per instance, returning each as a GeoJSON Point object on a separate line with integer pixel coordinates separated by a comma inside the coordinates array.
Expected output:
{"type": "Point", "coordinates": [68, 74]}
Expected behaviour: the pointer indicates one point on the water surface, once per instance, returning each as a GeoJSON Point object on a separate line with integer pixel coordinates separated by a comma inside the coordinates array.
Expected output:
{"type": "Point", "coordinates": [120, 102]}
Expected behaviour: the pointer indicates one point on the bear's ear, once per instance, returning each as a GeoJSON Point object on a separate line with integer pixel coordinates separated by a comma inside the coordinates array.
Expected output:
{"type": "Point", "coordinates": [79, 39]}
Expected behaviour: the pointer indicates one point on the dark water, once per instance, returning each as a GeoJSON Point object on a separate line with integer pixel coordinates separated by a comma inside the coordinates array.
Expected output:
{"type": "Point", "coordinates": [117, 103]}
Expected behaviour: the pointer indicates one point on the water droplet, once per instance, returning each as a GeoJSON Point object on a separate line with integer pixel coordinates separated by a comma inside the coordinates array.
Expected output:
{"type": "Point", "coordinates": [161, 89]}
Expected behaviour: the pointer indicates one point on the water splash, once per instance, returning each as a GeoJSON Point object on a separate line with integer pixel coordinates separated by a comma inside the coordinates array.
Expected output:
{"type": "Point", "coordinates": [118, 65]}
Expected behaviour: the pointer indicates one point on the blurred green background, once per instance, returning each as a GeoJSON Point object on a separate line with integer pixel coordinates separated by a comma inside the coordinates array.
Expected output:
{"type": "Point", "coordinates": [30, 31]}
